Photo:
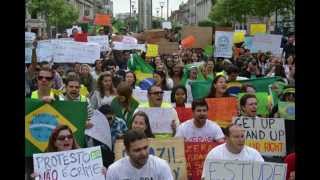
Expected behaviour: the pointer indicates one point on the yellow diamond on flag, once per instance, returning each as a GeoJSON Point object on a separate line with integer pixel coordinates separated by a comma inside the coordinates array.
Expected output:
{"type": "Point", "coordinates": [40, 123]}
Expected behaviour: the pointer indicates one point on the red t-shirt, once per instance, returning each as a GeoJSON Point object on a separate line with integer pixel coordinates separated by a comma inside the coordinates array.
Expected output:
{"type": "Point", "coordinates": [290, 160]}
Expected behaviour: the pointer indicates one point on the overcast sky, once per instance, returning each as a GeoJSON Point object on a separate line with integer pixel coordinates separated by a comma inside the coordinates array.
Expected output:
{"type": "Point", "coordinates": [122, 6]}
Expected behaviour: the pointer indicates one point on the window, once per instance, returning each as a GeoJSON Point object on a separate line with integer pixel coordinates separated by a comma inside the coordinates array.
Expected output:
{"type": "Point", "coordinates": [87, 12]}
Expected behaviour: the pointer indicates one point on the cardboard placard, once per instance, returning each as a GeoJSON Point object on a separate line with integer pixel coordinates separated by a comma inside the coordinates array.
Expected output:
{"type": "Point", "coordinates": [203, 35]}
{"type": "Point", "coordinates": [267, 135]}
{"type": "Point", "coordinates": [171, 150]}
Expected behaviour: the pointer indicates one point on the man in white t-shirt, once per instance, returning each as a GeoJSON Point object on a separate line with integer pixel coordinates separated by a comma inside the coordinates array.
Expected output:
{"type": "Point", "coordinates": [199, 128]}
{"type": "Point", "coordinates": [138, 164]}
{"type": "Point", "coordinates": [233, 149]}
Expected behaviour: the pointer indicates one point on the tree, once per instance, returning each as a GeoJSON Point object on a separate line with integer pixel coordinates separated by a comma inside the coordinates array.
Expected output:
{"type": "Point", "coordinates": [55, 12]}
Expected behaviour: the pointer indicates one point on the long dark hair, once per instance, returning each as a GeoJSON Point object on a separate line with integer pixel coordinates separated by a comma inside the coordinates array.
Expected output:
{"type": "Point", "coordinates": [148, 130]}
{"type": "Point", "coordinates": [100, 87]}
{"type": "Point", "coordinates": [164, 81]}
{"type": "Point", "coordinates": [212, 93]}
{"type": "Point", "coordinates": [174, 90]}
{"type": "Point", "coordinates": [51, 144]}
{"type": "Point", "coordinates": [135, 79]}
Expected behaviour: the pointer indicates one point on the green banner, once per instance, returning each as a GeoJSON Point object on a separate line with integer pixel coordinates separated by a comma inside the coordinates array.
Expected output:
{"type": "Point", "coordinates": [287, 110]}
{"type": "Point", "coordinates": [200, 89]}
{"type": "Point", "coordinates": [262, 100]}
{"type": "Point", "coordinates": [41, 118]}
{"type": "Point", "coordinates": [261, 84]}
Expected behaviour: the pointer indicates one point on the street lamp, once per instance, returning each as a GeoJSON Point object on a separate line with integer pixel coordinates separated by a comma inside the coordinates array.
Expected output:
{"type": "Point", "coordinates": [161, 5]}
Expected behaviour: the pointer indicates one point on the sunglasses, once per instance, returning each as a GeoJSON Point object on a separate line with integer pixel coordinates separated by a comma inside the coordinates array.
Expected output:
{"type": "Point", "coordinates": [45, 77]}
{"type": "Point", "coordinates": [61, 138]}
{"type": "Point", "coordinates": [157, 93]}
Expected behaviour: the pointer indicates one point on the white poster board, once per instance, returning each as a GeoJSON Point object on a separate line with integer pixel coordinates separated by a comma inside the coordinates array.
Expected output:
{"type": "Point", "coordinates": [267, 42]}
{"type": "Point", "coordinates": [142, 95]}
{"type": "Point", "coordinates": [166, 25]}
{"type": "Point", "coordinates": [68, 51]}
{"type": "Point", "coordinates": [244, 170]}
{"type": "Point", "coordinates": [29, 38]}
{"type": "Point", "coordinates": [79, 164]}
{"type": "Point", "coordinates": [101, 129]}
{"type": "Point", "coordinates": [124, 46]}
{"type": "Point", "coordinates": [160, 119]}
{"type": "Point", "coordinates": [267, 135]}
{"type": "Point", "coordinates": [223, 44]}
{"type": "Point", "coordinates": [103, 41]}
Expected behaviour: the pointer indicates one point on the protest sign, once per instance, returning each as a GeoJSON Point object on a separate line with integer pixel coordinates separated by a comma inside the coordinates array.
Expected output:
{"type": "Point", "coordinates": [267, 135]}
{"type": "Point", "coordinates": [41, 118]}
{"type": "Point", "coordinates": [142, 95]}
{"type": "Point", "coordinates": [203, 35]}
{"type": "Point", "coordinates": [160, 119]}
{"type": "Point", "coordinates": [123, 46]}
{"type": "Point", "coordinates": [152, 50]}
{"type": "Point", "coordinates": [78, 164]}
{"type": "Point", "coordinates": [101, 129]}
{"type": "Point", "coordinates": [171, 150]}
{"type": "Point", "coordinates": [152, 36]}
{"type": "Point", "coordinates": [238, 36]}
{"type": "Point", "coordinates": [223, 44]}
{"type": "Point", "coordinates": [103, 41]}
{"type": "Point", "coordinates": [265, 43]}
{"type": "Point", "coordinates": [248, 170]}
{"type": "Point", "coordinates": [166, 25]}
{"type": "Point", "coordinates": [287, 110]}
{"type": "Point", "coordinates": [62, 51]}
{"type": "Point", "coordinates": [258, 28]}
{"type": "Point", "coordinates": [222, 110]}
{"type": "Point", "coordinates": [29, 38]}
{"type": "Point", "coordinates": [102, 19]}
{"type": "Point", "coordinates": [166, 47]}
{"type": "Point", "coordinates": [262, 103]}
{"type": "Point", "coordinates": [196, 153]}
{"type": "Point", "coordinates": [184, 113]}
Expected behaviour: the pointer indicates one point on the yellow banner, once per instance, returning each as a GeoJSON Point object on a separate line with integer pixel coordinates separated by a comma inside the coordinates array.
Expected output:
{"type": "Point", "coordinates": [238, 37]}
{"type": "Point", "coordinates": [257, 28]}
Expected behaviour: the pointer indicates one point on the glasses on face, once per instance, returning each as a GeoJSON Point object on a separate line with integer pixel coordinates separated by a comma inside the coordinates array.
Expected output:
{"type": "Point", "coordinates": [157, 93]}
{"type": "Point", "coordinates": [45, 77]}
{"type": "Point", "coordinates": [61, 138]}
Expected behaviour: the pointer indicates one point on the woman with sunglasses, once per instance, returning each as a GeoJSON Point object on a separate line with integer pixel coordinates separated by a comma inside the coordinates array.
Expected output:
{"type": "Point", "coordinates": [44, 83]}
{"type": "Point", "coordinates": [62, 139]}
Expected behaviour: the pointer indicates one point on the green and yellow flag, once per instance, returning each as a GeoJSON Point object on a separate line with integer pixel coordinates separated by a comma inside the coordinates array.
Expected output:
{"type": "Point", "coordinates": [261, 84]}
{"type": "Point", "coordinates": [41, 118]}
{"type": "Point", "coordinates": [140, 67]}
{"type": "Point", "coordinates": [287, 110]}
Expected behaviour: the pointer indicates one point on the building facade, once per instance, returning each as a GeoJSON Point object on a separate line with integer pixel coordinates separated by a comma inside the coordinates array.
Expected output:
{"type": "Point", "coordinates": [145, 14]}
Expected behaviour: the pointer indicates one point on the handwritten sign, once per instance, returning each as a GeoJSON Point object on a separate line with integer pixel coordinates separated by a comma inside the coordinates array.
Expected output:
{"type": "Point", "coordinates": [203, 35]}
{"type": "Point", "coordinates": [103, 41]}
{"type": "Point", "coordinates": [223, 44]}
{"type": "Point", "coordinates": [142, 95]}
{"type": "Point", "coordinates": [257, 28]}
{"type": "Point", "coordinates": [29, 38]}
{"type": "Point", "coordinates": [222, 110]}
{"type": "Point", "coordinates": [239, 170]}
{"type": "Point", "coordinates": [265, 43]}
{"type": "Point", "coordinates": [160, 119]}
{"type": "Point", "coordinates": [196, 153]}
{"type": "Point", "coordinates": [171, 150]}
{"type": "Point", "coordinates": [287, 110]}
{"type": "Point", "coordinates": [152, 50]}
{"type": "Point", "coordinates": [123, 46]}
{"type": "Point", "coordinates": [267, 135]}
{"type": "Point", "coordinates": [101, 129]}
{"type": "Point", "coordinates": [166, 25]}
{"type": "Point", "coordinates": [79, 164]}
{"type": "Point", "coordinates": [102, 19]}
{"type": "Point", "coordinates": [68, 51]}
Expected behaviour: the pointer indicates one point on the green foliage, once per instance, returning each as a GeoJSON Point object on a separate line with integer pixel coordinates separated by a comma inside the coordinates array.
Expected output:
{"type": "Point", "coordinates": [55, 12]}
{"type": "Point", "coordinates": [206, 23]}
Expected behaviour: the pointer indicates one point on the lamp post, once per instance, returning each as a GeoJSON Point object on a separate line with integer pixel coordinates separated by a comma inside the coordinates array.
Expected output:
{"type": "Point", "coordinates": [161, 5]}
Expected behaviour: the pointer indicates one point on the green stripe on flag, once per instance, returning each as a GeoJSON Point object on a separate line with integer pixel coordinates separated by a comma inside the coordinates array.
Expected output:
{"type": "Point", "coordinates": [261, 84]}
{"type": "Point", "coordinates": [42, 118]}
{"type": "Point", "coordinates": [200, 89]}
{"type": "Point", "coordinates": [139, 65]}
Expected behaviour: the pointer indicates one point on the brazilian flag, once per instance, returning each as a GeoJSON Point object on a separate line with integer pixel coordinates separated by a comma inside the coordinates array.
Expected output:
{"type": "Point", "coordinates": [261, 84]}
{"type": "Point", "coordinates": [200, 88]}
{"type": "Point", "coordinates": [140, 67]}
{"type": "Point", "coordinates": [41, 118]}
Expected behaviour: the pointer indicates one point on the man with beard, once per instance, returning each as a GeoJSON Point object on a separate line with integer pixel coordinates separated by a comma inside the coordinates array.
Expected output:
{"type": "Point", "coordinates": [138, 164]}
{"type": "Point", "coordinates": [200, 129]}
